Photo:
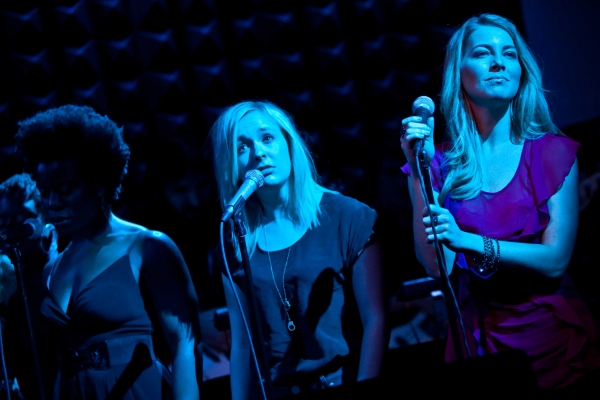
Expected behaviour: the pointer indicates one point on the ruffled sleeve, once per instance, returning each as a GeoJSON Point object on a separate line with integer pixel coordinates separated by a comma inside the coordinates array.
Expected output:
{"type": "Point", "coordinates": [550, 161]}
{"type": "Point", "coordinates": [435, 167]}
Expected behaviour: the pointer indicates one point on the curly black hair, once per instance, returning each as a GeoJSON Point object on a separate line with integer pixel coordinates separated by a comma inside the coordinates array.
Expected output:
{"type": "Point", "coordinates": [79, 133]}
{"type": "Point", "coordinates": [20, 188]}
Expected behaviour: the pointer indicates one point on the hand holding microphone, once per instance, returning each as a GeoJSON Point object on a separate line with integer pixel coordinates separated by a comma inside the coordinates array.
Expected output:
{"type": "Point", "coordinates": [415, 130]}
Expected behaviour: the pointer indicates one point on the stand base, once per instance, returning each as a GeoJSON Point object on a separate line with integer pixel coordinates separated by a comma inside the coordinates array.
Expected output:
{"type": "Point", "coordinates": [502, 373]}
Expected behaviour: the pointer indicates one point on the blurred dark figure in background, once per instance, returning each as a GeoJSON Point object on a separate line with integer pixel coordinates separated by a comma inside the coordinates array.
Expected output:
{"type": "Point", "coordinates": [19, 201]}
{"type": "Point", "coordinates": [116, 282]}
{"type": "Point", "coordinates": [506, 208]}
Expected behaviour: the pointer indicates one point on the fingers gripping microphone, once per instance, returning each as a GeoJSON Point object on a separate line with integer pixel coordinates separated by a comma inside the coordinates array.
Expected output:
{"type": "Point", "coordinates": [252, 181]}
{"type": "Point", "coordinates": [32, 228]}
{"type": "Point", "coordinates": [422, 107]}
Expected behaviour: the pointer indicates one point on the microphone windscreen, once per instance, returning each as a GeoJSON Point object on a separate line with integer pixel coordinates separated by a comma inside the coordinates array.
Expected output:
{"type": "Point", "coordinates": [37, 227]}
{"type": "Point", "coordinates": [256, 176]}
{"type": "Point", "coordinates": [423, 101]}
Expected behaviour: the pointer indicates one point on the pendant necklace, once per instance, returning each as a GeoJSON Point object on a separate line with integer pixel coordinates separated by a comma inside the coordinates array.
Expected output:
{"type": "Point", "coordinates": [284, 300]}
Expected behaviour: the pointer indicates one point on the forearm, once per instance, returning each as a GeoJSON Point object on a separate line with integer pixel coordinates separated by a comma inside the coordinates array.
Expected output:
{"type": "Point", "coordinates": [372, 349]}
{"type": "Point", "coordinates": [239, 373]}
{"type": "Point", "coordinates": [546, 259]}
{"type": "Point", "coordinates": [185, 382]}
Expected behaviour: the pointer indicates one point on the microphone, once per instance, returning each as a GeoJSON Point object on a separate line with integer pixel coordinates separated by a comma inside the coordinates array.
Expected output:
{"type": "Point", "coordinates": [252, 181]}
{"type": "Point", "coordinates": [422, 107]}
{"type": "Point", "coordinates": [32, 228]}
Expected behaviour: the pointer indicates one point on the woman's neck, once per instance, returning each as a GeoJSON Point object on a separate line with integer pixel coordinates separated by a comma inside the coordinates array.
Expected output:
{"type": "Point", "coordinates": [493, 123]}
{"type": "Point", "coordinates": [273, 201]}
{"type": "Point", "coordinates": [99, 228]}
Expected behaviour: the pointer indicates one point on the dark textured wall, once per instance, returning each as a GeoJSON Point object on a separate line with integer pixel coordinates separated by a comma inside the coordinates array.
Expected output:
{"type": "Point", "coordinates": [347, 70]}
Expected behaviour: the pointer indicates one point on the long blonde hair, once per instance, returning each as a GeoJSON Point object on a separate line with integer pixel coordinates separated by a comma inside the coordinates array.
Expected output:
{"type": "Point", "coordinates": [530, 117]}
{"type": "Point", "coordinates": [302, 203]}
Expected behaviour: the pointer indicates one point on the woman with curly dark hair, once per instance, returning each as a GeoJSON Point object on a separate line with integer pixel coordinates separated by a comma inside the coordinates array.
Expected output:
{"type": "Point", "coordinates": [116, 282]}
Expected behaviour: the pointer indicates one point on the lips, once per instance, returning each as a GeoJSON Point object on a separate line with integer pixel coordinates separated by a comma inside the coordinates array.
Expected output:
{"type": "Point", "coordinates": [59, 220]}
{"type": "Point", "coordinates": [497, 77]}
{"type": "Point", "coordinates": [267, 169]}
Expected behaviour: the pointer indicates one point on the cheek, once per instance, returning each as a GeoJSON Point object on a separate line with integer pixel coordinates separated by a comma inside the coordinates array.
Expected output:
{"type": "Point", "coordinates": [517, 73]}
{"type": "Point", "coordinates": [467, 78]}
{"type": "Point", "coordinates": [242, 163]}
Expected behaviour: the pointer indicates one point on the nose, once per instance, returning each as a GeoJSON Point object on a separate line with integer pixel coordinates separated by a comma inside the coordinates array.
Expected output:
{"type": "Point", "coordinates": [54, 200]}
{"type": "Point", "coordinates": [497, 64]}
{"type": "Point", "coordinates": [259, 151]}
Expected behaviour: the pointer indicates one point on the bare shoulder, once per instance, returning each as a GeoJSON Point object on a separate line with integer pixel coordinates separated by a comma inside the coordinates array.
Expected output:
{"type": "Point", "coordinates": [147, 237]}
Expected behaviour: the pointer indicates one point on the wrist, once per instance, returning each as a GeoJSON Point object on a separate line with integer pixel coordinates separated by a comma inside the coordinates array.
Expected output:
{"type": "Point", "coordinates": [488, 261]}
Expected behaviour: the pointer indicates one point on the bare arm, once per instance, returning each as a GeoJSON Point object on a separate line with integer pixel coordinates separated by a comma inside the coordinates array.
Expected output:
{"type": "Point", "coordinates": [240, 348]}
{"type": "Point", "coordinates": [550, 257]}
{"type": "Point", "coordinates": [166, 279]}
{"type": "Point", "coordinates": [367, 283]}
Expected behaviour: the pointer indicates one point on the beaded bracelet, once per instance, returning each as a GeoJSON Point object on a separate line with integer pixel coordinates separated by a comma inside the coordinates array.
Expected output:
{"type": "Point", "coordinates": [489, 262]}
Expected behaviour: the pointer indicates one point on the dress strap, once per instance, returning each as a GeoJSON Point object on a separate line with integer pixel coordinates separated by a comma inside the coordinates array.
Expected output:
{"type": "Point", "coordinates": [133, 241]}
{"type": "Point", "coordinates": [53, 264]}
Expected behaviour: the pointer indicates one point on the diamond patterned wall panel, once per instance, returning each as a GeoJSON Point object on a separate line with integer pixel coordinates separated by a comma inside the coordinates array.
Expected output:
{"type": "Point", "coordinates": [30, 104]}
{"type": "Point", "coordinates": [118, 59]}
{"type": "Point", "coordinates": [127, 100]}
{"type": "Point", "coordinates": [94, 96]}
{"type": "Point", "coordinates": [301, 105]}
{"type": "Point", "coordinates": [332, 64]}
{"type": "Point", "coordinates": [83, 65]}
{"type": "Point", "coordinates": [172, 125]}
{"type": "Point", "coordinates": [213, 83]}
{"type": "Point", "coordinates": [324, 24]}
{"type": "Point", "coordinates": [156, 51]}
{"type": "Point", "coordinates": [110, 19]}
{"type": "Point", "coordinates": [286, 71]}
{"type": "Point", "coordinates": [204, 43]}
{"type": "Point", "coordinates": [253, 74]}
{"type": "Point", "coordinates": [73, 24]}
{"type": "Point", "coordinates": [197, 12]}
{"type": "Point", "coordinates": [23, 32]}
{"type": "Point", "coordinates": [32, 72]}
{"type": "Point", "coordinates": [348, 71]}
{"type": "Point", "coordinates": [342, 102]}
{"type": "Point", "coordinates": [163, 91]}
{"type": "Point", "coordinates": [149, 15]}
{"type": "Point", "coordinates": [278, 32]}
{"type": "Point", "coordinates": [245, 38]}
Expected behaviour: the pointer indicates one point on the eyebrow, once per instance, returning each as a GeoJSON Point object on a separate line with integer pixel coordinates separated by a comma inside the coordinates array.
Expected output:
{"type": "Point", "coordinates": [506, 46]}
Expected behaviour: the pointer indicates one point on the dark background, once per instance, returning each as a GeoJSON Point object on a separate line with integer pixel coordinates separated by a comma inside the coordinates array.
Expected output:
{"type": "Point", "coordinates": [348, 71]}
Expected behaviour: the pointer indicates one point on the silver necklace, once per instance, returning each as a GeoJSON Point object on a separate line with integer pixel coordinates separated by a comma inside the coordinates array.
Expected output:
{"type": "Point", "coordinates": [284, 300]}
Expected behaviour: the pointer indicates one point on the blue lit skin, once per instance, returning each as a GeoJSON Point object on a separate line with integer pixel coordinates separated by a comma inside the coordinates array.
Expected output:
{"type": "Point", "coordinates": [69, 203]}
{"type": "Point", "coordinates": [262, 145]}
{"type": "Point", "coordinates": [490, 70]}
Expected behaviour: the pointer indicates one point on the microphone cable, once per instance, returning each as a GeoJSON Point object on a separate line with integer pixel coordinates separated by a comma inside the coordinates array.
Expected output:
{"type": "Point", "coordinates": [239, 303]}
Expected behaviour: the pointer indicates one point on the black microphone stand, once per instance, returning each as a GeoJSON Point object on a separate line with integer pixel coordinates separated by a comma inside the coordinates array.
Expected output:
{"type": "Point", "coordinates": [15, 257]}
{"type": "Point", "coordinates": [256, 326]}
{"type": "Point", "coordinates": [4, 371]}
{"type": "Point", "coordinates": [451, 304]}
